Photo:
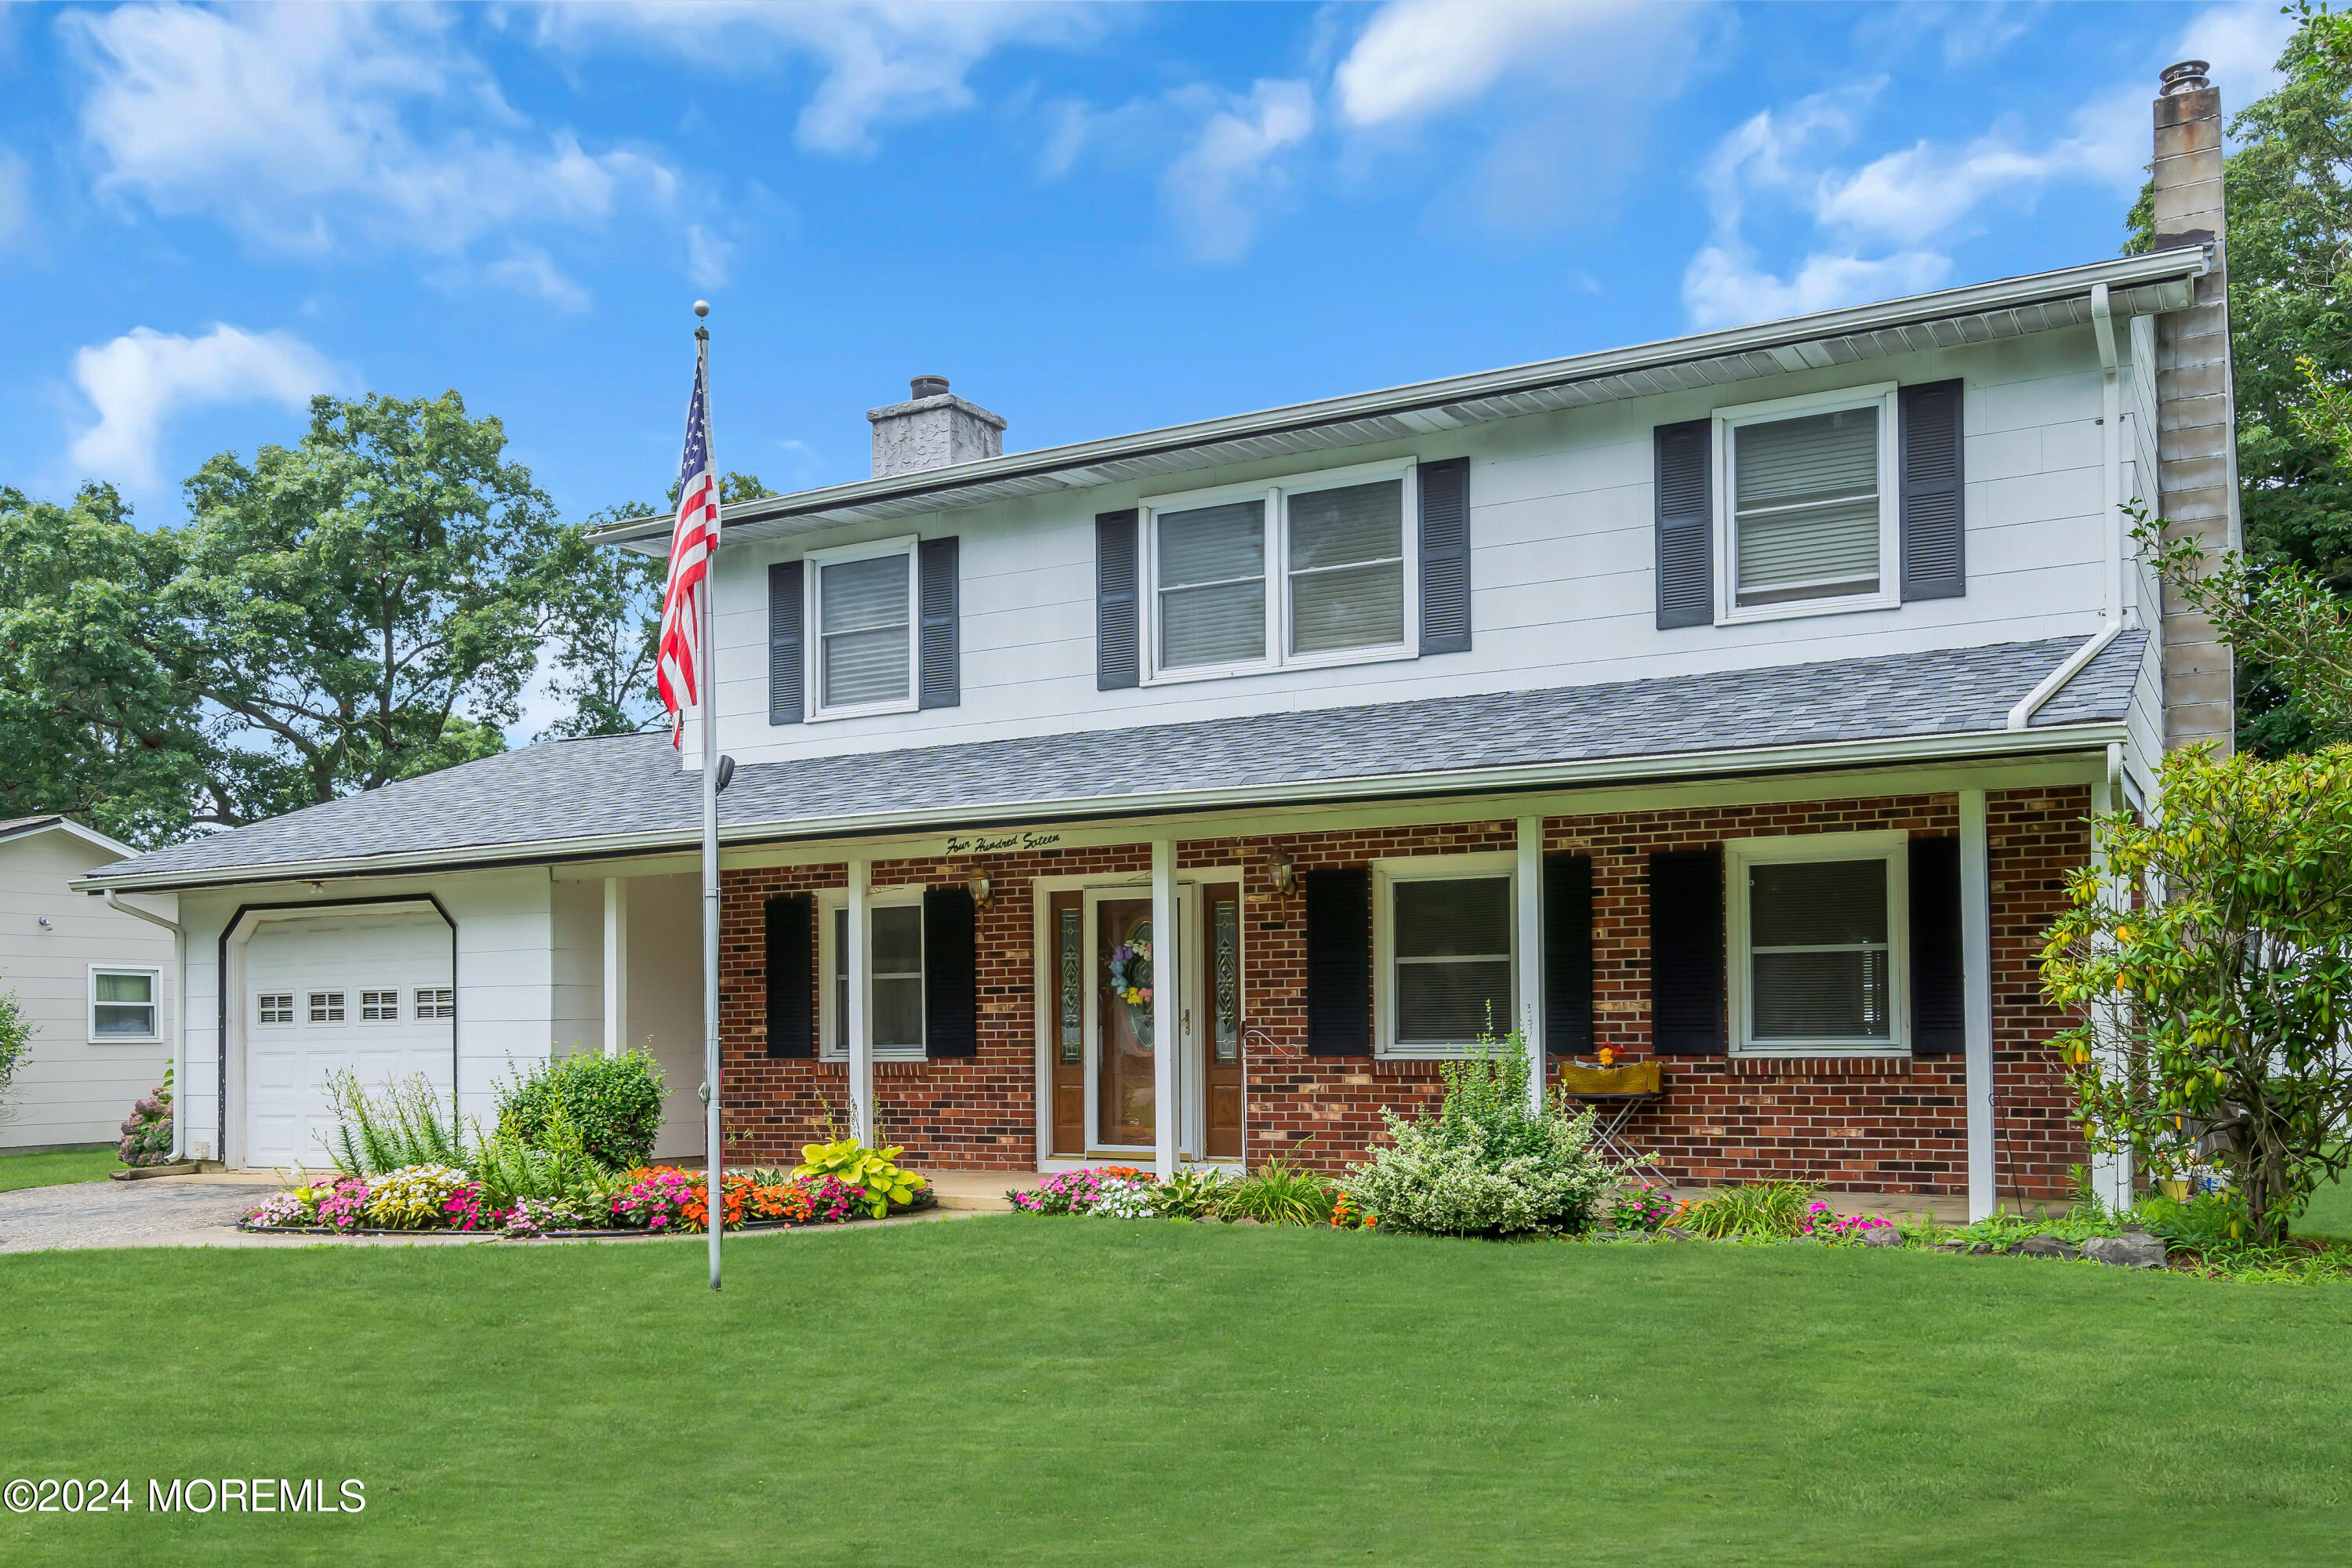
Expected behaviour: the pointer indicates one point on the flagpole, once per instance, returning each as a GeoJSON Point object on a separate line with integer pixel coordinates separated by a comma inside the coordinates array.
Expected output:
{"type": "Point", "coordinates": [706, 694]}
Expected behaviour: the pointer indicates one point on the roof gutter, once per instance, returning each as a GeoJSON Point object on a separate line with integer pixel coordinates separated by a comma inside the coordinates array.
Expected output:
{"type": "Point", "coordinates": [2021, 716]}
{"type": "Point", "coordinates": [2121, 272]}
{"type": "Point", "coordinates": [1539, 775]}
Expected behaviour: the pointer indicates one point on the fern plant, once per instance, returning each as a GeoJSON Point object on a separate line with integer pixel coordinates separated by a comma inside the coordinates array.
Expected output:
{"type": "Point", "coordinates": [401, 1125]}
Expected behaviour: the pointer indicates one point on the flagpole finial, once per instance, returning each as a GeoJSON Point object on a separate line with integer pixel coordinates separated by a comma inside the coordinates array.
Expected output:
{"type": "Point", "coordinates": [702, 306]}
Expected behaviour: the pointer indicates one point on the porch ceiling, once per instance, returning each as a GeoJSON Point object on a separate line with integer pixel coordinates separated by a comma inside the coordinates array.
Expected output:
{"type": "Point", "coordinates": [626, 794]}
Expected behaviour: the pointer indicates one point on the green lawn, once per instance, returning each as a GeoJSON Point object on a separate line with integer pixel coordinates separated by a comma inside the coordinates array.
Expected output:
{"type": "Point", "coordinates": [2329, 1213]}
{"type": "Point", "coordinates": [55, 1169]}
{"type": "Point", "coordinates": [1049, 1391]}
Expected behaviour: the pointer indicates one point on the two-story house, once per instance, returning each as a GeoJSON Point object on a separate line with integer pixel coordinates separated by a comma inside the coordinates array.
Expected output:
{"type": "Point", "coordinates": [1191, 795]}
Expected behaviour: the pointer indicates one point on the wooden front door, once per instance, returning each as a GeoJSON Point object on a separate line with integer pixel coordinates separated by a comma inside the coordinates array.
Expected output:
{"type": "Point", "coordinates": [1126, 959]}
{"type": "Point", "coordinates": [1221, 1045]}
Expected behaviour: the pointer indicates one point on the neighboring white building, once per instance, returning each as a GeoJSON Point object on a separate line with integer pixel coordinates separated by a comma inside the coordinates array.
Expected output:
{"type": "Point", "coordinates": [97, 984]}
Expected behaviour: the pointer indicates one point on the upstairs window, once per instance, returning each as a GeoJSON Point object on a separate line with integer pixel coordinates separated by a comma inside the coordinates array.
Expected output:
{"type": "Point", "coordinates": [863, 612]}
{"type": "Point", "coordinates": [1315, 570]}
{"type": "Point", "coordinates": [1811, 519]}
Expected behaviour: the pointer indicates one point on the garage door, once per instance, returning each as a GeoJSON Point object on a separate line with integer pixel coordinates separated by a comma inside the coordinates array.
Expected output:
{"type": "Point", "coordinates": [368, 994]}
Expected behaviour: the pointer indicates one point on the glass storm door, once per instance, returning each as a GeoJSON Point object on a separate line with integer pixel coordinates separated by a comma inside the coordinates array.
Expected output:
{"type": "Point", "coordinates": [1126, 960]}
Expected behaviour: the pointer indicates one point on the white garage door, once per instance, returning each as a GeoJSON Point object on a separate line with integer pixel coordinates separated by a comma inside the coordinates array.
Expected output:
{"type": "Point", "coordinates": [368, 994]}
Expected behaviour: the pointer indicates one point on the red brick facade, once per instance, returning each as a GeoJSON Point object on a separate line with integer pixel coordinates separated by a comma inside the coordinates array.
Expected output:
{"type": "Point", "coordinates": [1893, 1125]}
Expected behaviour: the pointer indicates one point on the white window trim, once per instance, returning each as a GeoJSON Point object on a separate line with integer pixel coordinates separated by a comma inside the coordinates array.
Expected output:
{"type": "Point", "coordinates": [812, 623]}
{"type": "Point", "coordinates": [1890, 505]}
{"type": "Point", "coordinates": [360, 1006]}
{"type": "Point", "coordinates": [1893, 849]}
{"type": "Point", "coordinates": [829, 903]}
{"type": "Point", "coordinates": [1386, 875]}
{"type": "Point", "coordinates": [154, 1003]}
{"type": "Point", "coordinates": [293, 1002]}
{"type": "Point", "coordinates": [1276, 493]}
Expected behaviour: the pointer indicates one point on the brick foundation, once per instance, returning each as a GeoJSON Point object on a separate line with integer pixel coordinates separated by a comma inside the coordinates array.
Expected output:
{"type": "Point", "coordinates": [1896, 1125]}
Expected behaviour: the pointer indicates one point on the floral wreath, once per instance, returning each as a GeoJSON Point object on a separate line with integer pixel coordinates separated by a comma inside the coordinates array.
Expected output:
{"type": "Point", "coordinates": [1130, 972]}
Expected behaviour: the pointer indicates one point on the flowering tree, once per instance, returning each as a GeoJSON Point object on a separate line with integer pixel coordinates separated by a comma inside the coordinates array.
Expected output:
{"type": "Point", "coordinates": [2218, 1003]}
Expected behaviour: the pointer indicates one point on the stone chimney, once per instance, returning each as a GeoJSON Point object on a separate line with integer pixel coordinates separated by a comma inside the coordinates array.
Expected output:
{"type": "Point", "coordinates": [2197, 448]}
{"type": "Point", "coordinates": [932, 429]}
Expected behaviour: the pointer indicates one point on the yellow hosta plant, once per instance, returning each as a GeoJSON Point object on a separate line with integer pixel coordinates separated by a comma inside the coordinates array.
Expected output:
{"type": "Point", "coordinates": [875, 1171]}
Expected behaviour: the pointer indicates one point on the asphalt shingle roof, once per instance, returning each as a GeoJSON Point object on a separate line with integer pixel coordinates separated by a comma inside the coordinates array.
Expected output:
{"type": "Point", "coordinates": [631, 785]}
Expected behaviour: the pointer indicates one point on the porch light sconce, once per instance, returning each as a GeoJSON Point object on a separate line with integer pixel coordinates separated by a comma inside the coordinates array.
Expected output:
{"type": "Point", "coordinates": [980, 889]}
{"type": "Point", "coordinates": [1282, 870]}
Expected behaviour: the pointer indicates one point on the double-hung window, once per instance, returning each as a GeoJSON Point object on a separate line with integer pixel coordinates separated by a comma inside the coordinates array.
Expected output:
{"type": "Point", "coordinates": [894, 960]}
{"type": "Point", "coordinates": [122, 1005]}
{"type": "Point", "coordinates": [1316, 570]}
{"type": "Point", "coordinates": [1818, 935]}
{"type": "Point", "coordinates": [1809, 516]}
{"type": "Point", "coordinates": [1444, 953]}
{"type": "Point", "coordinates": [862, 605]}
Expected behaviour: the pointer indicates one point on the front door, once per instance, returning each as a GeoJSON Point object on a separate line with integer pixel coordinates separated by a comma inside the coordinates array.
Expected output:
{"type": "Point", "coordinates": [1126, 953]}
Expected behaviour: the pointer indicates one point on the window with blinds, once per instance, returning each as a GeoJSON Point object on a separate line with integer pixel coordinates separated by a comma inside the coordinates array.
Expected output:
{"type": "Point", "coordinates": [1452, 960]}
{"type": "Point", "coordinates": [1806, 507]}
{"type": "Point", "coordinates": [1347, 567]}
{"type": "Point", "coordinates": [895, 960]}
{"type": "Point", "coordinates": [865, 626]}
{"type": "Point", "coordinates": [1211, 572]}
{"type": "Point", "coordinates": [122, 1005]}
{"type": "Point", "coordinates": [1821, 954]}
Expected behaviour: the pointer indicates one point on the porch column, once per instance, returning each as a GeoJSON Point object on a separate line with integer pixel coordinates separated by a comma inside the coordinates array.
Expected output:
{"type": "Point", "coordinates": [1529, 919]}
{"type": "Point", "coordinates": [617, 965]}
{"type": "Point", "coordinates": [1975, 971]}
{"type": "Point", "coordinates": [2111, 1175]}
{"type": "Point", "coordinates": [855, 1024]}
{"type": "Point", "coordinates": [1165, 990]}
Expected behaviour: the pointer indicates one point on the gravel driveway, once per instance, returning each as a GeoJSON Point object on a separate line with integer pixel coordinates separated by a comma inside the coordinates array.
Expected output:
{"type": "Point", "coordinates": [162, 1212]}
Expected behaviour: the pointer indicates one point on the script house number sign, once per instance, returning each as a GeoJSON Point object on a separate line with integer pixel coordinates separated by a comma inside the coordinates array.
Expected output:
{"type": "Point", "coordinates": [996, 843]}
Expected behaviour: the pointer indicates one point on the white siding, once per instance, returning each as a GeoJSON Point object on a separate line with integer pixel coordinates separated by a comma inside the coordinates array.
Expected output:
{"type": "Point", "coordinates": [577, 966]}
{"type": "Point", "coordinates": [665, 999]}
{"type": "Point", "coordinates": [1561, 569]}
{"type": "Point", "coordinates": [71, 1090]}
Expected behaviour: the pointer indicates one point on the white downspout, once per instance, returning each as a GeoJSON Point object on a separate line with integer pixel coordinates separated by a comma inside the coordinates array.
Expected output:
{"type": "Point", "coordinates": [2111, 452]}
{"type": "Point", "coordinates": [2111, 1175]}
{"type": "Point", "coordinates": [179, 1016]}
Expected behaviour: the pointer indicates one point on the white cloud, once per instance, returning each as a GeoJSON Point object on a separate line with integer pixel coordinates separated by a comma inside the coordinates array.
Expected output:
{"type": "Point", "coordinates": [1418, 58]}
{"type": "Point", "coordinates": [1917, 197]}
{"type": "Point", "coordinates": [141, 381]}
{"type": "Point", "coordinates": [709, 259]}
{"type": "Point", "coordinates": [1215, 188]}
{"type": "Point", "coordinates": [531, 270]}
{"type": "Point", "coordinates": [297, 124]}
{"type": "Point", "coordinates": [882, 63]}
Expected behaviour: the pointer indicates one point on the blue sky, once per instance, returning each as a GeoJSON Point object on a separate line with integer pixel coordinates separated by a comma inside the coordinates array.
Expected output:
{"type": "Point", "coordinates": [1094, 220]}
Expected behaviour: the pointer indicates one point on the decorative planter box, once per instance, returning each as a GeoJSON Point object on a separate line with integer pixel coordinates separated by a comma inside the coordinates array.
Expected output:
{"type": "Point", "coordinates": [1640, 1078]}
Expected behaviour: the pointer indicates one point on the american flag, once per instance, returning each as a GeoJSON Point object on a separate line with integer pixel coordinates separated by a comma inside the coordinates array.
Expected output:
{"type": "Point", "coordinates": [691, 543]}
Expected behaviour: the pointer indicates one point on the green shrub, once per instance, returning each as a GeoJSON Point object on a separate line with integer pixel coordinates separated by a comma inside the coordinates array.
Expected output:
{"type": "Point", "coordinates": [1767, 1209]}
{"type": "Point", "coordinates": [1191, 1195]}
{"type": "Point", "coordinates": [1279, 1193]}
{"type": "Point", "coordinates": [1485, 1164]}
{"type": "Point", "coordinates": [16, 1042]}
{"type": "Point", "coordinates": [614, 1104]}
{"type": "Point", "coordinates": [558, 1169]}
{"type": "Point", "coordinates": [398, 1127]}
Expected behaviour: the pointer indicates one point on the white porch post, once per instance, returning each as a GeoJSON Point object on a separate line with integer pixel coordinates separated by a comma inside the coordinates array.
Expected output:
{"type": "Point", "coordinates": [1166, 982]}
{"type": "Point", "coordinates": [617, 965]}
{"type": "Point", "coordinates": [1529, 917]}
{"type": "Point", "coordinates": [2111, 1175]}
{"type": "Point", "coordinates": [1976, 972]}
{"type": "Point", "coordinates": [857, 1024]}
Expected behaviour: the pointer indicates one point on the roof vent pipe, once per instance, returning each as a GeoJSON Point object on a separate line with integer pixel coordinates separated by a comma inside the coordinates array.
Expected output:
{"type": "Point", "coordinates": [924, 387]}
{"type": "Point", "coordinates": [2189, 76]}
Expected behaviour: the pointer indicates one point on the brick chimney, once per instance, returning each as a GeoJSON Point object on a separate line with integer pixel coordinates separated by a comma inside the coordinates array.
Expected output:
{"type": "Point", "coordinates": [2197, 449]}
{"type": "Point", "coordinates": [932, 429]}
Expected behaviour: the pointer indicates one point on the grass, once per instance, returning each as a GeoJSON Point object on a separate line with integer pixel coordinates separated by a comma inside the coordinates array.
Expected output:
{"type": "Point", "coordinates": [1083, 1392]}
{"type": "Point", "coordinates": [2328, 1214]}
{"type": "Point", "coordinates": [56, 1168]}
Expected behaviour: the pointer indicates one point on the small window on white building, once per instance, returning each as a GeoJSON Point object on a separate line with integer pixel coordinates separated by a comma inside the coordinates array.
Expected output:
{"type": "Point", "coordinates": [435, 1001]}
{"type": "Point", "coordinates": [274, 1009]}
{"type": "Point", "coordinates": [1812, 521]}
{"type": "Point", "coordinates": [1347, 567]}
{"type": "Point", "coordinates": [1444, 937]}
{"type": "Point", "coordinates": [379, 1007]}
{"type": "Point", "coordinates": [1211, 577]}
{"type": "Point", "coordinates": [863, 612]}
{"type": "Point", "coordinates": [326, 1007]}
{"type": "Point", "coordinates": [122, 1004]}
{"type": "Point", "coordinates": [895, 1002]}
{"type": "Point", "coordinates": [1818, 938]}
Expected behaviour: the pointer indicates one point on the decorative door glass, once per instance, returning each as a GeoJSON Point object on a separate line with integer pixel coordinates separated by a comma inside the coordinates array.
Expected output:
{"type": "Point", "coordinates": [1225, 939]}
{"type": "Point", "coordinates": [1069, 965]}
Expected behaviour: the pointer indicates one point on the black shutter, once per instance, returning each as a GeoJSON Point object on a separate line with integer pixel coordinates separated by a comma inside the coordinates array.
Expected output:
{"type": "Point", "coordinates": [1340, 963]}
{"type": "Point", "coordinates": [950, 973]}
{"type": "Point", "coordinates": [785, 606]}
{"type": "Point", "coordinates": [1568, 954]}
{"type": "Point", "coordinates": [1445, 556]}
{"type": "Point", "coordinates": [1686, 952]}
{"type": "Point", "coordinates": [1935, 543]}
{"type": "Point", "coordinates": [942, 681]}
{"type": "Point", "coordinates": [1686, 523]}
{"type": "Point", "coordinates": [1119, 654]}
{"type": "Point", "coordinates": [1938, 996]}
{"type": "Point", "coordinates": [791, 973]}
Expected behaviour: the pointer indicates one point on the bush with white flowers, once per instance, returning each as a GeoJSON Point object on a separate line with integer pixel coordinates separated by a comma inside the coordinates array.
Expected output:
{"type": "Point", "coordinates": [411, 1198]}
